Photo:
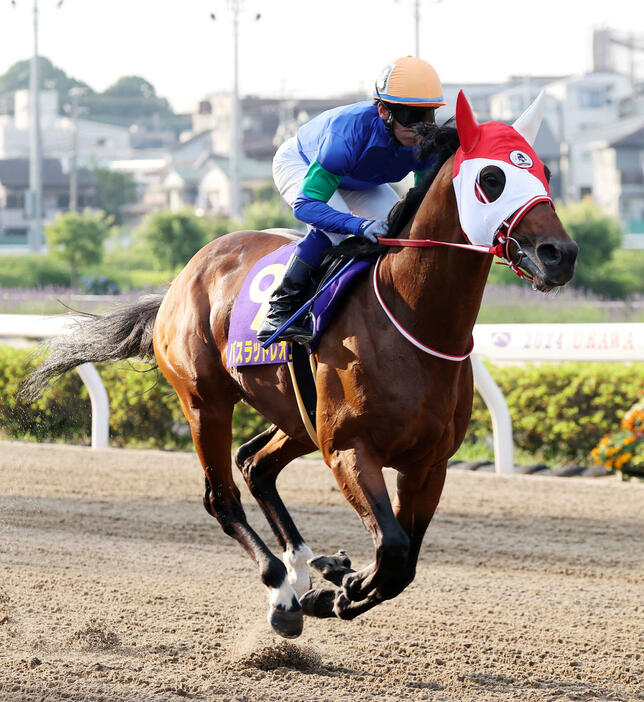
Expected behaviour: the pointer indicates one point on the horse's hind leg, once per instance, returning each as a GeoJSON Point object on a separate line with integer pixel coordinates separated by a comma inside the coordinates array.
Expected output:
{"type": "Point", "coordinates": [211, 427]}
{"type": "Point", "coordinates": [260, 461]}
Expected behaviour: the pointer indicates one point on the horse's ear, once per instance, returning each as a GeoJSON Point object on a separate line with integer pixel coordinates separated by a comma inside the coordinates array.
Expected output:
{"type": "Point", "coordinates": [529, 122]}
{"type": "Point", "coordinates": [469, 129]}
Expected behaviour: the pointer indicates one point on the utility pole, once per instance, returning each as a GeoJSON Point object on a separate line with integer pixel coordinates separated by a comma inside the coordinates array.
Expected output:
{"type": "Point", "coordinates": [74, 111]}
{"type": "Point", "coordinates": [235, 152]}
{"type": "Point", "coordinates": [416, 7]}
{"type": "Point", "coordinates": [35, 202]}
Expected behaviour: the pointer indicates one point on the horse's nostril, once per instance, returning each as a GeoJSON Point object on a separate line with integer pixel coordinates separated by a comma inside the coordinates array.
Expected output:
{"type": "Point", "coordinates": [549, 254]}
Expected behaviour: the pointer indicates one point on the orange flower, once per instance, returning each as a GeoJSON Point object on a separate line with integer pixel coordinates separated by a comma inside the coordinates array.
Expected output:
{"type": "Point", "coordinates": [621, 460]}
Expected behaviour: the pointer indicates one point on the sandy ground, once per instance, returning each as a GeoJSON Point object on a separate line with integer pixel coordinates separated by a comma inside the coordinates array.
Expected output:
{"type": "Point", "coordinates": [116, 585]}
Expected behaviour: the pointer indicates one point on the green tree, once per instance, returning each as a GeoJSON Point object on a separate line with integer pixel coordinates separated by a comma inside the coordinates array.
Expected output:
{"type": "Point", "coordinates": [132, 87]}
{"type": "Point", "coordinates": [268, 214]}
{"type": "Point", "coordinates": [265, 192]}
{"type": "Point", "coordinates": [218, 226]}
{"type": "Point", "coordinates": [51, 77]}
{"type": "Point", "coordinates": [131, 99]}
{"type": "Point", "coordinates": [115, 190]}
{"type": "Point", "coordinates": [174, 237]}
{"type": "Point", "coordinates": [598, 236]}
{"type": "Point", "coordinates": [77, 239]}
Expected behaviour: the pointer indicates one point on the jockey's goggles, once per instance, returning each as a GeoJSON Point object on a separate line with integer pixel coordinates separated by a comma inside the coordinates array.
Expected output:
{"type": "Point", "coordinates": [408, 115]}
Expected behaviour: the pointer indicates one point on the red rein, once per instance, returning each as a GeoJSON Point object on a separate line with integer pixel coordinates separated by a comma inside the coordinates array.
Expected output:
{"type": "Point", "coordinates": [501, 249]}
{"type": "Point", "coordinates": [497, 250]}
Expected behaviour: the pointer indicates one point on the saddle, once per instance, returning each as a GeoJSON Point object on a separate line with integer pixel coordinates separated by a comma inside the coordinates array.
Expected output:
{"type": "Point", "coordinates": [326, 304]}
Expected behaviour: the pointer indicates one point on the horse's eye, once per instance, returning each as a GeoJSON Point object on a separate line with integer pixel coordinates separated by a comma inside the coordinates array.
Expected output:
{"type": "Point", "coordinates": [492, 181]}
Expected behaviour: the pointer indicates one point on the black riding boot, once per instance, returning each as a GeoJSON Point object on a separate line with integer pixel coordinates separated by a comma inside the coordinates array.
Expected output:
{"type": "Point", "coordinates": [286, 299]}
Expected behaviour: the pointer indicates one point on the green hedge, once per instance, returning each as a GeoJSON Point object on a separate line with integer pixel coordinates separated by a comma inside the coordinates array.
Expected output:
{"type": "Point", "coordinates": [32, 271]}
{"type": "Point", "coordinates": [561, 410]}
{"type": "Point", "coordinates": [35, 271]}
{"type": "Point", "coordinates": [144, 409]}
{"type": "Point", "coordinates": [558, 410]}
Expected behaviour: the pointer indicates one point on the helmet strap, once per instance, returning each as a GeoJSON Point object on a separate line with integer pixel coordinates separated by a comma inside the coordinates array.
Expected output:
{"type": "Point", "coordinates": [389, 122]}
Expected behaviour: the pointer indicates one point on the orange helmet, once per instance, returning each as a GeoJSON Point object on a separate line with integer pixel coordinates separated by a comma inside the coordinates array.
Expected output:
{"type": "Point", "coordinates": [409, 81]}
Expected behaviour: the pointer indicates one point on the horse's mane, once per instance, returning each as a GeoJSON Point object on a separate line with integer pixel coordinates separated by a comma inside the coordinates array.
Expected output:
{"type": "Point", "coordinates": [440, 140]}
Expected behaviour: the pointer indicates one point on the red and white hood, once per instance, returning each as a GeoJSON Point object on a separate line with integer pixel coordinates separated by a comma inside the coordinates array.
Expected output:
{"type": "Point", "coordinates": [510, 149]}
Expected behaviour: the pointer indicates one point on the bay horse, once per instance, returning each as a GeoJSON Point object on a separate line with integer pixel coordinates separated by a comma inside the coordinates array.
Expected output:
{"type": "Point", "coordinates": [382, 401]}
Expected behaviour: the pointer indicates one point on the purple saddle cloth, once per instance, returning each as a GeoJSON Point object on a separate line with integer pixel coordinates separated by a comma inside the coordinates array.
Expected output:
{"type": "Point", "coordinates": [252, 304]}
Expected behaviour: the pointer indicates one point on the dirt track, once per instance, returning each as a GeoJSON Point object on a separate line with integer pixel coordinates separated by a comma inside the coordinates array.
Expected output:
{"type": "Point", "coordinates": [116, 585]}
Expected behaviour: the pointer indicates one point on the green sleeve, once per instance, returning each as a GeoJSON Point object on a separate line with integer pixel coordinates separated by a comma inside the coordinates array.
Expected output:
{"type": "Point", "coordinates": [319, 184]}
{"type": "Point", "coordinates": [419, 175]}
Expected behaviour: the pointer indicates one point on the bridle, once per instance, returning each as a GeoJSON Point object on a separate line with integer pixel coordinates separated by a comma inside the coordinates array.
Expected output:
{"type": "Point", "coordinates": [496, 228]}
{"type": "Point", "coordinates": [504, 234]}
{"type": "Point", "coordinates": [501, 249]}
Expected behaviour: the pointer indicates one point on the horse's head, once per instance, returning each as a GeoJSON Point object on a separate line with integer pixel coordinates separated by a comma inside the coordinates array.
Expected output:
{"type": "Point", "coordinates": [502, 193]}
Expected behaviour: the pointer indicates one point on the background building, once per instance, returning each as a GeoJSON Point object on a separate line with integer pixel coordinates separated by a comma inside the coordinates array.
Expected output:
{"type": "Point", "coordinates": [14, 184]}
{"type": "Point", "coordinates": [590, 138]}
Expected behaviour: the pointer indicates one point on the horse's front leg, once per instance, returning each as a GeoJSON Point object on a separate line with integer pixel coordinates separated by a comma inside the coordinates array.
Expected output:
{"type": "Point", "coordinates": [359, 475]}
{"type": "Point", "coordinates": [418, 493]}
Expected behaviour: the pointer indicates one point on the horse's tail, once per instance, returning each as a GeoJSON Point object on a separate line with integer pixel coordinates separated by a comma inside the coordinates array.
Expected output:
{"type": "Point", "coordinates": [121, 334]}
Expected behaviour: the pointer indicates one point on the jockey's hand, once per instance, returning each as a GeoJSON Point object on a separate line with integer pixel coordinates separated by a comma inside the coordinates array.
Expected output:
{"type": "Point", "coordinates": [371, 229]}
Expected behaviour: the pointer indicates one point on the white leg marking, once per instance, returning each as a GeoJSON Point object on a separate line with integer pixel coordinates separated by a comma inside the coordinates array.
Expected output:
{"type": "Point", "coordinates": [298, 568]}
{"type": "Point", "coordinates": [282, 597]}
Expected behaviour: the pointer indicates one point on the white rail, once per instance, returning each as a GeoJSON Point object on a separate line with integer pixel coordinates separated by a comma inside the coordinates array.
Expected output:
{"type": "Point", "coordinates": [501, 420]}
{"type": "Point", "coordinates": [497, 342]}
{"type": "Point", "coordinates": [543, 342]}
{"type": "Point", "coordinates": [30, 326]}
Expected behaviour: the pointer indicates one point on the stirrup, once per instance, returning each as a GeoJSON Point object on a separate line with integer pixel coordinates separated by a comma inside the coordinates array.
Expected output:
{"type": "Point", "coordinates": [297, 331]}
{"type": "Point", "coordinates": [299, 338]}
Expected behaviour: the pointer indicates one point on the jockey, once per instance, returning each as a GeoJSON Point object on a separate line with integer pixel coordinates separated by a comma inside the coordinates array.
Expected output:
{"type": "Point", "coordinates": [335, 174]}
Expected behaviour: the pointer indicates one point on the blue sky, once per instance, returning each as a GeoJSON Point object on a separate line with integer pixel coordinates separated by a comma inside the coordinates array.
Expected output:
{"type": "Point", "coordinates": [306, 47]}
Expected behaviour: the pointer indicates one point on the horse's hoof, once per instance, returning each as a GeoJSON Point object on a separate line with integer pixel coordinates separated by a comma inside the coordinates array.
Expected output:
{"type": "Point", "coordinates": [286, 624]}
{"type": "Point", "coordinates": [337, 560]}
{"type": "Point", "coordinates": [318, 603]}
{"type": "Point", "coordinates": [341, 606]}
{"type": "Point", "coordinates": [332, 568]}
{"type": "Point", "coordinates": [352, 586]}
